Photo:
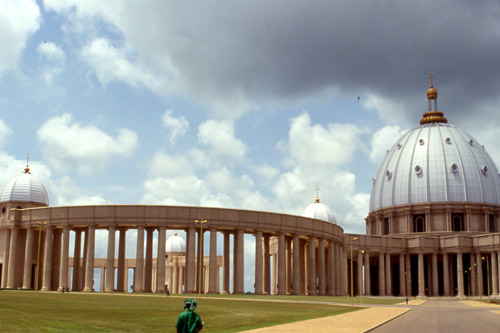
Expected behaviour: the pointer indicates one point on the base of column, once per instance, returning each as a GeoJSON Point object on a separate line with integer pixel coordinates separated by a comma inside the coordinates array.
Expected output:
{"type": "Point", "coordinates": [44, 289]}
{"type": "Point", "coordinates": [107, 290]}
{"type": "Point", "coordinates": [88, 290]}
{"type": "Point", "coordinates": [224, 293]}
{"type": "Point", "coordinates": [190, 292]}
{"type": "Point", "coordinates": [460, 296]}
{"type": "Point", "coordinates": [238, 293]}
{"type": "Point", "coordinates": [213, 292]}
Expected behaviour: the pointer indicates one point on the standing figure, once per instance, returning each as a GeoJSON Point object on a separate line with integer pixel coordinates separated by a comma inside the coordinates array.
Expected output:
{"type": "Point", "coordinates": [189, 321]}
{"type": "Point", "coordinates": [167, 292]}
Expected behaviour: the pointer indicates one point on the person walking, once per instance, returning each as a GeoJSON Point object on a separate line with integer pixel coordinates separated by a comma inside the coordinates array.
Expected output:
{"type": "Point", "coordinates": [189, 321]}
{"type": "Point", "coordinates": [167, 292]}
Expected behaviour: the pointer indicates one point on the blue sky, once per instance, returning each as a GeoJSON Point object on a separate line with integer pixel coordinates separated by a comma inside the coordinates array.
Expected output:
{"type": "Point", "coordinates": [234, 104]}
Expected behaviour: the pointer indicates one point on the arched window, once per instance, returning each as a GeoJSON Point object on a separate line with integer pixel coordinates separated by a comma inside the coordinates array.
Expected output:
{"type": "Point", "coordinates": [457, 222]}
{"type": "Point", "coordinates": [419, 223]}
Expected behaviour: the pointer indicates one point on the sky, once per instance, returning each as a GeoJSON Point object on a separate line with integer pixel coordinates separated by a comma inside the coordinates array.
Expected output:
{"type": "Point", "coordinates": [247, 104]}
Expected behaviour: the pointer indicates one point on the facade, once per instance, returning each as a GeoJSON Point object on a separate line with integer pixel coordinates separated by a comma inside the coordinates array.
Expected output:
{"type": "Point", "coordinates": [432, 230]}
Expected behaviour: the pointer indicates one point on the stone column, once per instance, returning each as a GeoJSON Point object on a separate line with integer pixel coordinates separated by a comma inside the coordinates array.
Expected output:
{"type": "Point", "coordinates": [148, 267]}
{"type": "Point", "coordinates": [56, 259]}
{"type": "Point", "coordinates": [190, 270]}
{"type": "Point", "coordinates": [76, 260]}
{"type": "Point", "coordinates": [240, 251]}
{"type": "Point", "coordinates": [368, 287]}
{"type": "Point", "coordinates": [312, 266]}
{"type": "Point", "coordinates": [28, 259]}
{"type": "Point", "coordinates": [460, 275]}
{"type": "Point", "coordinates": [104, 273]}
{"type": "Point", "coordinates": [12, 258]}
{"type": "Point", "coordinates": [435, 283]}
{"type": "Point", "coordinates": [89, 267]}
{"type": "Point", "coordinates": [303, 267]}
{"type": "Point", "coordinates": [110, 260]}
{"type": "Point", "coordinates": [226, 254]}
{"type": "Point", "coordinates": [479, 274]}
{"type": "Point", "coordinates": [160, 263]}
{"type": "Point", "coordinates": [446, 275]}
{"type": "Point", "coordinates": [473, 277]}
{"type": "Point", "coordinates": [296, 265]}
{"type": "Point", "coordinates": [281, 265]}
{"type": "Point", "coordinates": [494, 273]}
{"type": "Point", "coordinates": [421, 276]}
{"type": "Point", "coordinates": [338, 277]}
{"type": "Point", "coordinates": [288, 245]}
{"type": "Point", "coordinates": [212, 278]}
{"type": "Point", "coordinates": [381, 274]}
{"type": "Point", "coordinates": [120, 283]}
{"type": "Point", "coordinates": [402, 285]}
{"type": "Point", "coordinates": [139, 262]}
{"type": "Point", "coordinates": [47, 263]}
{"type": "Point", "coordinates": [408, 275]}
{"type": "Point", "coordinates": [331, 268]}
{"type": "Point", "coordinates": [267, 266]}
{"type": "Point", "coordinates": [321, 267]}
{"type": "Point", "coordinates": [258, 262]}
{"type": "Point", "coordinates": [175, 277]}
{"type": "Point", "coordinates": [63, 276]}
{"type": "Point", "coordinates": [388, 275]}
{"type": "Point", "coordinates": [199, 261]}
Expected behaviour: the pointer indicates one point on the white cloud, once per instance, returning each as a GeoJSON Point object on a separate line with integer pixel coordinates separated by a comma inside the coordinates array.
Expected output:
{"type": "Point", "coordinates": [314, 145]}
{"type": "Point", "coordinates": [5, 131]}
{"type": "Point", "coordinates": [51, 51]}
{"type": "Point", "coordinates": [384, 139]}
{"type": "Point", "coordinates": [68, 145]}
{"type": "Point", "coordinates": [68, 193]}
{"type": "Point", "coordinates": [113, 64]}
{"type": "Point", "coordinates": [219, 136]}
{"type": "Point", "coordinates": [176, 126]}
{"type": "Point", "coordinates": [389, 110]}
{"type": "Point", "coordinates": [19, 20]}
{"type": "Point", "coordinates": [55, 57]}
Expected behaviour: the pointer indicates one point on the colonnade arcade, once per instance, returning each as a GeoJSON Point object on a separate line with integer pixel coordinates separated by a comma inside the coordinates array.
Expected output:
{"type": "Point", "coordinates": [456, 265]}
{"type": "Point", "coordinates": [39, 238]}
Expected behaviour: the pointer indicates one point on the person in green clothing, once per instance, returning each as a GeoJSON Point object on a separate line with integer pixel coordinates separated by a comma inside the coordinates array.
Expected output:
{"type": "Point", "coordinates": [189, 321]}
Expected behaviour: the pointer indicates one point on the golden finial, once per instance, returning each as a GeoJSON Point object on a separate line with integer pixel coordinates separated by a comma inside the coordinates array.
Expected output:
{"type": "Point", "coordinates": [433, 115]}
{"type": "Point", "coordinates": [317, 194]}
{"type": "Point", "coordinates": [27, 169]}
{"type": "Point", "coordinates": [175, 233]}
{"type": "Point", "coordinates": [432, 93]}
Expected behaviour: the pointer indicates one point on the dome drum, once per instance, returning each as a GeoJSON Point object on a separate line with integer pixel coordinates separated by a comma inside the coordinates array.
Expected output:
{"type": "Point", "coordinates": [442, 217]}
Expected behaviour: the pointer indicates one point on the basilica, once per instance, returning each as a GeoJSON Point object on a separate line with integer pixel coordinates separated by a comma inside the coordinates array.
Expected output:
{"type": "Point", "coordinates": [432, 230]}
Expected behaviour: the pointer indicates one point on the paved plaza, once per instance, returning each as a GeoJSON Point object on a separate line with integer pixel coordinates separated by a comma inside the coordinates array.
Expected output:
{"type": "Point", "coordinates": [435, 315]}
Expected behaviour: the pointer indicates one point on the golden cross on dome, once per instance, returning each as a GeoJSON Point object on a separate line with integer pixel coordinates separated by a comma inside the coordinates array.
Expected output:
{"type": "Point", "coordinates": [27, 169]}
{"type": "Point", "coordinates": [430, 77]}
{"type": "Point", "coordinates": [317, 193]}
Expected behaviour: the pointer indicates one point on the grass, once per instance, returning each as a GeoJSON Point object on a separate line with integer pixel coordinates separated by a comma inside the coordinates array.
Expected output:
{"type": "Point", "coordinates": [25, 311]}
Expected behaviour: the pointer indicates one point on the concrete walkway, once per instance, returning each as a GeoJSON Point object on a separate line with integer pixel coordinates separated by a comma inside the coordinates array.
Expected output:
{"type": "Point", "coordinates": [357, 321]}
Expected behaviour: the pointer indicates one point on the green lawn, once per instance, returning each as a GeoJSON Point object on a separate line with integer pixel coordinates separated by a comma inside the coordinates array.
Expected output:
{"type": "Point", "coordinates": [28, 311]}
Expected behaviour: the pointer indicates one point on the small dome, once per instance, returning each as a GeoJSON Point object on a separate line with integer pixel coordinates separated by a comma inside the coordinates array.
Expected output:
{"type": "Point", "coordinates": [175, 243]}
{"type": "Point", "coordinates": [320, 211]}
{"type": "Point", "coordinates": [25, 188]}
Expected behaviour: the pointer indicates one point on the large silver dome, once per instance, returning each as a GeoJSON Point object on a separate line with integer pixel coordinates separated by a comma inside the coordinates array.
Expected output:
{"type": "Point", "coordinates": [175, 243]}
{"type": "Point", "coordinates": [25, 188]}
{"type": "Point", "coordinates": [435, 162]}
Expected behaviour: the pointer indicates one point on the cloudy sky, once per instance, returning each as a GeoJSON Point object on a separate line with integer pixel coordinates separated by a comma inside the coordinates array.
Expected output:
{"type": "Point", "coordinates": [235, 104]}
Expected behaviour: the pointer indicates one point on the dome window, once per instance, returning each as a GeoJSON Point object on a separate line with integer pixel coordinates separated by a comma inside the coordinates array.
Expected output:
{"type": "Point", "coordinates": [421, 141]}
{"type": "Point", "coordinates": [471, 142]}
{"type": "Point", "coordinates": [448, 140]}
{"type": "Point", "coordinates": [3, 210]}
{"type": "Point", "coordinates": [388, 174]}
{"type": "Point", "coordinates": [418, 170]}
{"type": "Point", "coordinates": [399, 146]}
{"type": "Point", "coordinates": [484, 169]}
{"type": "Point", "coordinates": [454, 168]}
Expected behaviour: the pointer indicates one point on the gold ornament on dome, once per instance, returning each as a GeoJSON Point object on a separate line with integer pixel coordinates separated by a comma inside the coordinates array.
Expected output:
{"type": "Point", "coordinates": [432, 116]}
